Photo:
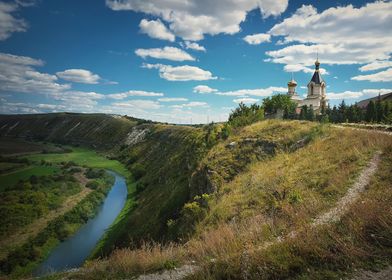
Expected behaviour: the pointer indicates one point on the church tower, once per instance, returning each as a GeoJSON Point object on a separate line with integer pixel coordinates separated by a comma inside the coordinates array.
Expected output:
{"type": "Point", "coordinates": [291, 85]}
{"type": "Point", "coordinates": [317, 90]}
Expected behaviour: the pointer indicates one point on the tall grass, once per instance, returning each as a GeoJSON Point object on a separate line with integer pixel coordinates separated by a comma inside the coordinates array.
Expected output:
{"type": "Point", "coordinates": [244, 235]}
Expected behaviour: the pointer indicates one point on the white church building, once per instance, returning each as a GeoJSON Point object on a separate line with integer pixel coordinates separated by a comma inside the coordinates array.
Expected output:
{"type": "Point", "coordinates": [316, 97]}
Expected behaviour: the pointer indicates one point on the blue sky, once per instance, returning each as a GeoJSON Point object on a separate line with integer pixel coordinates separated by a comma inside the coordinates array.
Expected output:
{"type": "Point", "coordinates": [181, 61]}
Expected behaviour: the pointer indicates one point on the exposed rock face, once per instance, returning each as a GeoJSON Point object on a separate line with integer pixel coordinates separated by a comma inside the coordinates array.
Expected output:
{"type": "Point", "coordinates": [136, 136]}
{"type": "Point", "coordinates": [222, 167]}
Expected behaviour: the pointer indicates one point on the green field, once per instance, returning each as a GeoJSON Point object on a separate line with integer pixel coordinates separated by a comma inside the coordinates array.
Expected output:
{"type": "Point", "coordinates": [82, 156]}
{"type": "Point", "coordinates": [24, 173]}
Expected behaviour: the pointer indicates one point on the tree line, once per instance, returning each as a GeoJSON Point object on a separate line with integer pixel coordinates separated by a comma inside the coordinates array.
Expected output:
{"type": "Point", "coordinates": [377, 111]}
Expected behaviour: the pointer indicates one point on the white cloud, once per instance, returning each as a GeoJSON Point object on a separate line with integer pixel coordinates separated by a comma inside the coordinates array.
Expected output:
{"type": "Point", "coordinates": [305, 69]}
{"type": "Point", "coordinates": [181, 73]}
{"type": "Point", "coordinates": [193, 46]}
{"type": "Point", "coordinates": [203, 89]}
{"type": "Point", "coordinates": [377, 91]}
{"type": "Point", "coordinates": [79, 76]}
{"type": "Point", "coordinates": [156, 29]}
{"type": "Point", "coordinates": [383, 76]}
{"type": "Point", "coordinates": [138, 104]}
{"type": "Point", "coordinates": [364, 93]}
{"type": "Point", "coordinates": [130, 93]}
{"type": "Point", "coordinates": [344, 95]}
{"type": "Point", "coordinates": [172, 99]}
{"type": "Point", "coordinates": [257, 39]}
{"type": "Point", "coordinates": [263, 92]}
{"type": "Point", "coordinates": [17, 74]}
{"type": "Point", "coordinates": [169, 53]}
{"type": "Point", "coordinates": [245, 100]}
{"type": "Point", "coordinates": [191, 105]}
{"type": "Point", "coordinates": [8, 23]}
{"type": "Point", "coordinates": [376, 65]}
{"type": "Point", "coordinates": [192, 19]}
{"type": "Point", "coordinates": [51, 107]}
{"type": "Point", "coordinates": [341, 35]}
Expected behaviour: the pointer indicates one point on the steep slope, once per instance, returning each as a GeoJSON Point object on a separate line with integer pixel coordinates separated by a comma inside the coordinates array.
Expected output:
{"type": "Point", "coordinates": [94, 130]}
{"type": "Point", "coordinates": [263, 223]}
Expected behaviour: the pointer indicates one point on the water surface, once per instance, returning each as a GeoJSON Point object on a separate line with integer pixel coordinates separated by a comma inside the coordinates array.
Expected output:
{"type": "Point", "coordinates": [74, 251]}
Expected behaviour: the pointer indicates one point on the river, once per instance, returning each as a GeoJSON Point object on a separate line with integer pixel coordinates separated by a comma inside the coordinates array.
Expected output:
{"type": "Point", "coordinates": [74, 251]}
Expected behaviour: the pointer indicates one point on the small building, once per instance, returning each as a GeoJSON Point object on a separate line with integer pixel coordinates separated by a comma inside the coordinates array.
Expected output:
{"type": "Point", "coordinates": [316, 97]}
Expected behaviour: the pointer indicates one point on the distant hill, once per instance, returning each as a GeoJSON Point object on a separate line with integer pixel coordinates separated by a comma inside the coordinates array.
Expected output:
{"type": "Point", "coordinates": [385, 97]}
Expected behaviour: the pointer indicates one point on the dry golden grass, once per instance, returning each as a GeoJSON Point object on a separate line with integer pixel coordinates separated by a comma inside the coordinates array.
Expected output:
{"type": "Point", "coordinates": [271, 199]}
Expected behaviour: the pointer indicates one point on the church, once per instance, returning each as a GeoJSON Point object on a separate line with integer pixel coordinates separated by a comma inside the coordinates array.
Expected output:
{"type": "Point", "coordinates": [316, 97]}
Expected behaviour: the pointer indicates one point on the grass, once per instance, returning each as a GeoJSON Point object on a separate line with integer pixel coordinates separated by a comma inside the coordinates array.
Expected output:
{"type": "Point", "coordinates": [24, 173]}
{"type": "Point", "coordinates": [84, 157]}
{"type": "Point", "coordinates": [269, 200]}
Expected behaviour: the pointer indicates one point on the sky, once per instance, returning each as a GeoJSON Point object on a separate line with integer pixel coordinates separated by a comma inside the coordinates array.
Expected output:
{"type": "Point", "coordinates": [186, 61]}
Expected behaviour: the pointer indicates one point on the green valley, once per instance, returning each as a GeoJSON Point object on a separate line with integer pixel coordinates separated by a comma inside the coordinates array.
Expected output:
{"type": "Point", "coordinates": [245, 199]}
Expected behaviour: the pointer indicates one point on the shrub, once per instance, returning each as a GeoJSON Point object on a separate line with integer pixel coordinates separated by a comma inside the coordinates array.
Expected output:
{"type": "Point", "coordinates": [138, 171]}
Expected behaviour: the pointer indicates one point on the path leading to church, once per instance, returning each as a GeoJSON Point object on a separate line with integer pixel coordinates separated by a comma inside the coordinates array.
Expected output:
{"type": "Point", "coordinates": [332, 215]}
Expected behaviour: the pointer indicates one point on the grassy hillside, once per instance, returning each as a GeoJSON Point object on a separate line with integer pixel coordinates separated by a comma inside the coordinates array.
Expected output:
{"type": "Point", "coordinates": [94, 130]}
{"type": "Point", "coordinates": [259, 224]}
{"type": "Point", "coordinates": [230, 204]}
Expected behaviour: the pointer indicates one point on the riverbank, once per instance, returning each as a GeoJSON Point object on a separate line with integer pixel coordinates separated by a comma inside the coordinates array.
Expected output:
{"type": "Point", "coordinates": [73, 252]}
{"type": "Point", "coordinates": [25, 258]}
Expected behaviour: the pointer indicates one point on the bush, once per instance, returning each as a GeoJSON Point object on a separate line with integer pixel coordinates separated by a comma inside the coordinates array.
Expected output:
{"type": "Point", "coordinates": [92, 185]}
{"type": "Point", "coordinates": [95, 173]}
{"type": "Point", "coordinates": [244, 115]}
{"type": "Point", "coordinates": [138, 171]}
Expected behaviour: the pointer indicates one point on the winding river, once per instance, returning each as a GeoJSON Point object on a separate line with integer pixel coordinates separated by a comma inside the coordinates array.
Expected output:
{"type": "Point", "coordinates": [74, 251]}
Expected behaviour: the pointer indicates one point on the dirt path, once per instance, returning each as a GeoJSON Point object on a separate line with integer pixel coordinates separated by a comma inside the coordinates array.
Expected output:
{"type": "Point", "coordinates": [332, 215]}
{"type": "Point", "coordinates": [369, 130]}
{"type": "Point", "coordinates": [352, 194]}
{"type": "Point", "coordinates": [20, 237]}
{"type": "Point", "coordinates": [175, 274]}
{"type": "Point", "coordinates": [372, 275]}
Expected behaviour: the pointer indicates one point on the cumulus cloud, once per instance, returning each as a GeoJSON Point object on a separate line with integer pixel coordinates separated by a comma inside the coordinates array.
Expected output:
{"type": "Point", "coordinates": [257, 39]}
{"type": "Point", "coordinates": [263, 92]}
{"type": "Point", "coordinates": [193, 46]}
{"type": "Point", "coordinates": [172, 99]}
{"type": "Point", "coordinates": [383, 76]}
{"type": "Point", "coordinates": [130, 93]}
{"type": "Point", "coordinates": [8, 23]}
{"type": "Point", "coordinates": [191, 105]}
{"type": "Point", "coordinates": [376, 65]}
{"type": "Point", "coordinates": [192, 19]}
{"type": "Point", "coordinates": [203, 89]}
{"type": "Point", "coordinates": [79, 76]}
{"type": "Point", "coordinates": [344, 95]}
{"type": "Point", "coordinates": [138, 104]}
{"type": "Point", "coordinates": [169, 53]}
{"type": "Point", "coordinates": [246, 100]}
{"type": "Point", "coordinates": [305, 69]}
{"type": "Point", "coordinates": [364, 93]}
{"type": "Point", "coordinates": [156, 29]}
{"type": "Point", "coordinates": [341, 35]}
{"type": "Point", "coordinates": [181, 73]}
{"type": "Point", "coordinates": [18, 74]}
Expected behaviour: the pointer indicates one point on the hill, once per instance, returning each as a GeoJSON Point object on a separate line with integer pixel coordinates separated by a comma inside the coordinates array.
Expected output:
{"type": "Point", "coordinates": [251, 206]}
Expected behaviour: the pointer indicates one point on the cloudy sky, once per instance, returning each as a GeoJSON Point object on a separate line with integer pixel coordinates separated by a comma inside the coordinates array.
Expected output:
{"type": "Point", "coordinates": [186, 60]}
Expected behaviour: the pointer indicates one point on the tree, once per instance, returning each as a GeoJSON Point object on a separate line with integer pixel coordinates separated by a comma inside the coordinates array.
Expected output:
{"type": "Point", "coordinates": [310, 114]}
{"type": "Point", "coordinates": [342, 112]}
{"type": "Point", "coordinates": [379, 110]}
{"type": "Point", "coordinates": [244, 115]}
{"type": "Point", "coordinates": [371, 111]}
{"type": "Point", "coordinates": [303, 113]}
{"type": "Point", "coordinates": [280, 101]}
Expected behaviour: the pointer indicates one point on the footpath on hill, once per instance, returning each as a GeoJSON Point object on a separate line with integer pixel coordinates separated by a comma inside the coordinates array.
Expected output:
{"type": "Point", "coordinates": [332, 215]}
